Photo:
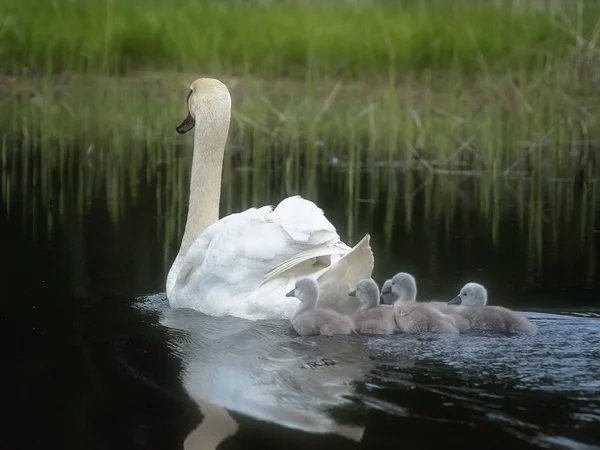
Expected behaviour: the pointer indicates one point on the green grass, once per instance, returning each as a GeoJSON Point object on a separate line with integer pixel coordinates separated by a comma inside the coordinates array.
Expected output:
{"type": "Point", "coordinates": [314, 40]}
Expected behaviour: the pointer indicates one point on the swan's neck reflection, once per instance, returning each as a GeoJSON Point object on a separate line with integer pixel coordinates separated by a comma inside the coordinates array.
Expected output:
{"type": "Point", "coordinates": [264, 370]}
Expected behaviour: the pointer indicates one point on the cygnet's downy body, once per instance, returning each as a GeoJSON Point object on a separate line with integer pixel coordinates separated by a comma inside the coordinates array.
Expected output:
{"type": "Point", "coordinates": [455, 312]}
{"type": "Point", "coordinates": [310, 321]}
{"type": "Point", "coordinates": [458, 314]}
{"type": "Point", "coordinates": [372, 318]}
{"type": "Point", "coordinates": [412, 316]}
{"type": "Point", "coordinates": [473, 297]}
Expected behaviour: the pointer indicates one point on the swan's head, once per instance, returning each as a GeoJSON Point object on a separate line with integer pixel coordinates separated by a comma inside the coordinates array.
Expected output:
{"type": "Point", "coordinates": [305, 290]}
{"type": "Point", "coordinates": [387, 296]}
{"type": "Point", "coordinates": [403, 286]}
{"type": "Point", "coordinates": [472, 294]}
{"type": "Point", "coordinates": [208, 98]}
{"type": "Point", "coordinates": [367, 292]}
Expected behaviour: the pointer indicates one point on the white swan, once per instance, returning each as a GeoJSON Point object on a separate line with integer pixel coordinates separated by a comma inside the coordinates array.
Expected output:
{"type": "Point", "coordinates": [245, 263]}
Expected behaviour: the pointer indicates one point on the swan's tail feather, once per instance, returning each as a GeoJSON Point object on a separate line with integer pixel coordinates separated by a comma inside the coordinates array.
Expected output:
{"type": "Point", "coordinates": [303, 256]}
{"type": "Point", "coordinates": [336, 281]}
{"type": "Point", "coordinates": [354, 266]}
{"type": "Point", "coordinates": [333, 294]}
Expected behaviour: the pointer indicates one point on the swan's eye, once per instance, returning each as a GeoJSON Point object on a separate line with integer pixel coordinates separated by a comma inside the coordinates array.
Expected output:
{"type": "Point", "coordinates": [464, 294]}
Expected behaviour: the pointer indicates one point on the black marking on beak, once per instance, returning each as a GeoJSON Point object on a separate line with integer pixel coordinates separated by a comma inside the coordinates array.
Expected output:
{"type": "Point", "coordinates": [188, 122]}
{"type": "Point", "coordinates": [291, 293]}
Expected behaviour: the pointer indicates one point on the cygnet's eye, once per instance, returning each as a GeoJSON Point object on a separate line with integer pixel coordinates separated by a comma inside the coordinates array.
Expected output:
{"type": "Point", "coordinates": [464, 294]}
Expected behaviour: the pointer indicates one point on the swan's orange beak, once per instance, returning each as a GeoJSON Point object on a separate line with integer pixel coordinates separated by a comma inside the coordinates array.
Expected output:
{"type": "Point", "coordinates": [188, 122]}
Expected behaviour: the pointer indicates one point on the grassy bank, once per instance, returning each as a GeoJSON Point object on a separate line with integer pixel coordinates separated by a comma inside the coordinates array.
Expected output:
{"type": "Point", "coordinates": [293, 39]}
{"type": "Point", "coordinates": [543, 126]}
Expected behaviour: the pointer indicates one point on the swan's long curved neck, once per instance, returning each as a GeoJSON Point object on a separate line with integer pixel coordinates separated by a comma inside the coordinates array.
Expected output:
{"type": "Point", "coordinates": [210, 136]}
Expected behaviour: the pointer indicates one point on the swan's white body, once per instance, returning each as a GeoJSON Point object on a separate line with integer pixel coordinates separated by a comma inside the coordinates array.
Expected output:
{"type": "Point", "coordinates": [244, 264]}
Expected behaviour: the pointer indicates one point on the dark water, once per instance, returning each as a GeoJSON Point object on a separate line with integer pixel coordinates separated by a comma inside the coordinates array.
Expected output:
{"type": "Point", "coordinates": [92, 362]}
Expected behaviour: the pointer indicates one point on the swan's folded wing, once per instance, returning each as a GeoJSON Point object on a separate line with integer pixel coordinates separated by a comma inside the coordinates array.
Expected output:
{"type": "Point", "coordinates": [305, 255]}
{"type": "Point", "coordinates": [305, 223]}
{"type": "Point", "coordinates": [245, 250]}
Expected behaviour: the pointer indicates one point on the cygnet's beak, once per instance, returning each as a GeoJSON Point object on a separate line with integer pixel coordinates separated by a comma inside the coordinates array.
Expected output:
{"type": "Point", "coordinates": [188, 122]}
{"type": "Point", "coordinates": [291, 293]}
{"type": "Point", "coordinates": [386, 290]}
{"type": "Point", "coordinates": [456, 300]}
{"type": "Point", "coordinates": [353, 293]}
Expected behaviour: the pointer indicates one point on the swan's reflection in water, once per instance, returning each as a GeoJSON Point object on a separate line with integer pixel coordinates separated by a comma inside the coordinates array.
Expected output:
{"type": "Point", "coordinates": [539, 391]}
{"type": "Point", "coordinates": [264, 370]}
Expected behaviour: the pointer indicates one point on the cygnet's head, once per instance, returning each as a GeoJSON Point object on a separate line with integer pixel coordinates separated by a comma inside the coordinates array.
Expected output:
{"type": "Point", "coordinates": [367, 292]}
{"type": "Point", "coordinates": [403, 286]}
{"type": "Point", "coordinates": [472, 294]}
{"type": "Point", "coordinates": [305, 290]}
{"type": "Point", "coordinates": [211, 99]}
{"type": "Point", "coordinates": [387, 296]}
